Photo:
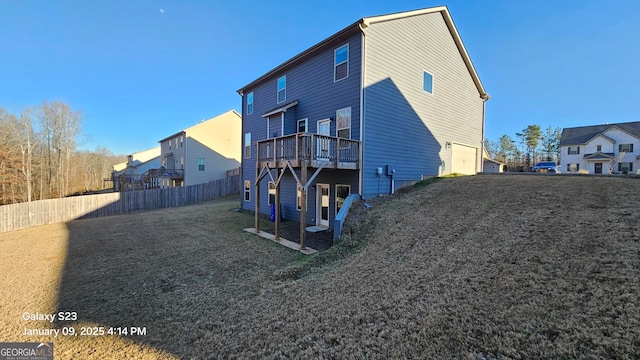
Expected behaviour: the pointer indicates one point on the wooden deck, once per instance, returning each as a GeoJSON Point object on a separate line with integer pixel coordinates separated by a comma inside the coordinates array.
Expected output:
{"type": "Point", "coordinates": [315, 150]}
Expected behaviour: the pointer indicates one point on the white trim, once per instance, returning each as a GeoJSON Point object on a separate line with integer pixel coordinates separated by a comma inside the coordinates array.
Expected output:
{"type": "Point", "coordinates": [244, 152]}
{"type": "Point", "coordinates": [278, 90]}
{"type": "Point", "coordinates": [247, 110]}
{"type": "Point", "coordinates": [335, 65]}
{"type": "Point", "coordinates": [306, 125]}
{"type": "Point", "coordinates": [280, 109]}
{"type": "Point", "coordinates": [281, 124]}
{"type": "Point", "coordinates": [246, 191]}
{"type": "Point", "coordinates": [269, 192]}
{"type": "Point", "coordinates": [433, 82]}
{"type": "Point", "coordinates": [319, 204]}
{"type": "Point", "coordinates": [320, 146]}
{"type": "Point", "coordinates": [318, 126]}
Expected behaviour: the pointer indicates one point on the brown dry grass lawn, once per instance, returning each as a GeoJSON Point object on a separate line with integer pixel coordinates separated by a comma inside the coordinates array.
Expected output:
{"type": "Point", "coordinates": [484, 267]}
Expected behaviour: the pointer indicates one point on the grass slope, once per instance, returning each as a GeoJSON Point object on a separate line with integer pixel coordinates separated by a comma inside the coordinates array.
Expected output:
{"type": "Point", "coordinates": [484, 267]}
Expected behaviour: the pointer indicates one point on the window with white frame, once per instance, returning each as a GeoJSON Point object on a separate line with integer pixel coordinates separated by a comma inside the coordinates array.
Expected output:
{"type": "Point", "coordinates": [573, 150]}
{"type": "Point", "coordinates": [272, 193]}
{"type": "Point", "coordinates": [299, 199]}
{"type": "Point", "coordinates": [343, 123]}
{"type": "Point", "coordinates": [341, 63]}
{"type": "Point", "coordinates": [625, 148]}
{"type": "Point", "coordinates": [573, 167]}
{"type": "Point", "coordinates": [247, 190]}
{"type": "Point", "coordinates": [598, 147]}
{"type": "Point", "coordinates": [250, 103]}
{"type": "Point", "coordinates": [247, 145]}
{"type": "Point", "coordinates": [201, 164]}
{"type": "Point", "coordinates": [302, 125]}
{"type": "Point", "coordinates": [282, 89]}
{"type": "Point", "coordinates": [427, 82]}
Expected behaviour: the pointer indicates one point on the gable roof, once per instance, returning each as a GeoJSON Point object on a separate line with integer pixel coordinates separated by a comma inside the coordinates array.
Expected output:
{"type": "Point", "coordinates": [358, 26]}
{"type": "Point", "coordinates": [581, 135]}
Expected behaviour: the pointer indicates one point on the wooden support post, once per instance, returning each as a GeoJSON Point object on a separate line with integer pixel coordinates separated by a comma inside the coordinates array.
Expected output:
{"type": "Point", "coordinates": [303, 200]}
{"type": "Point", "coordinates": [277, 231]}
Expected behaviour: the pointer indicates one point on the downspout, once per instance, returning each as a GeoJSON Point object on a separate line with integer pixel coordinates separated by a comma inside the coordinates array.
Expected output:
{"type": "Point", "coordinates": [363, 72]}
{"type": "Point", "coordinates": [485, 97]}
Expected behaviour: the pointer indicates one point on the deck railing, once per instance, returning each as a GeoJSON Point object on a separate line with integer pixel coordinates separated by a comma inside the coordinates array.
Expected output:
{"type": "Point", "coordinates": [314, 148]}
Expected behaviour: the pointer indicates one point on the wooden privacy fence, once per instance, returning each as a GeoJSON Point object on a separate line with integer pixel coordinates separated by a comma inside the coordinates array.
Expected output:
{"type": "Point", "coordinates": [24, 215]}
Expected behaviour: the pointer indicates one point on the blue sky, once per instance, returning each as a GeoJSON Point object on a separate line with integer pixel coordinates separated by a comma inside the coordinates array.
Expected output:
{"type": "Point", "coordinates": [143, 70]}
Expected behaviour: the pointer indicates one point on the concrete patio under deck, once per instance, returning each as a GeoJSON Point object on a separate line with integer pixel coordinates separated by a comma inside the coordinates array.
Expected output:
{"type": "Point", "coordinates": [290, 244]}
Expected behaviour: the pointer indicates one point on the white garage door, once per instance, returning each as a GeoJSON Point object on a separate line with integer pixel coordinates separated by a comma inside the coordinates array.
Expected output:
{"type": "Point", "coordinates": [463, 159]}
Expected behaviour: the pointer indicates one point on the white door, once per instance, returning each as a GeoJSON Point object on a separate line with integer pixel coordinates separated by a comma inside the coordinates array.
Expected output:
{"type": "Point", "coordinates": [322, 205]}
{"type": "Point", "coordinates": [464, 159]}
{"type": "Point", "coordinates": [322, 147]}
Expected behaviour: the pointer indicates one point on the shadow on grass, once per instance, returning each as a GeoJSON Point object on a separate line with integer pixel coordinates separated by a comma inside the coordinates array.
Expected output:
{"type": "Point", "coordinates": [156, 277]}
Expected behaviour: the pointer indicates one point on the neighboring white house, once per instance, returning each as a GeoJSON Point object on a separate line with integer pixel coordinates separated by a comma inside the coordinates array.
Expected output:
{"type": "Point", "coordinates": [490, 165]}
{"type": "Point", "coordinates": [135, 167]}
{"type": "Point", "coordinates": [203, 152]}
{"type": "Point", "coordinates": [601, 149]}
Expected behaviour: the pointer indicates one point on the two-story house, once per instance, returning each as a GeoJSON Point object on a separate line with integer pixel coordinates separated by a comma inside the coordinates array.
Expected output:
{"type": "Point", "coordinates": [380, 104]}
{"type": "Point", "coordinates": [129, 175]}
{"type": "Point", "coordinates": [598, 149]}
{"type": "Point", "coordinates": [203, 152]}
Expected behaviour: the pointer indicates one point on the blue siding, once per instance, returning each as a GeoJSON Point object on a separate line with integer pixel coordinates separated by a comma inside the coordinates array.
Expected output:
{"type": "Point", "coordinates": [312, 84]}
{"type": "Point", "coordinates": [275, 125]}
{"type": "Point", "coordinates": [406, 126]}
{"type": "Point", "coordinates": [395, 135]}
{"type": "Point", "coordinates": [288, 193]}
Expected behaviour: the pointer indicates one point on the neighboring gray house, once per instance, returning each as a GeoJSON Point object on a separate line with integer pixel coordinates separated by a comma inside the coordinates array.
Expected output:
{"type": "Point", "coordinates": [597, 149]}
{"type": "Point", "coordinates": [378, 105]}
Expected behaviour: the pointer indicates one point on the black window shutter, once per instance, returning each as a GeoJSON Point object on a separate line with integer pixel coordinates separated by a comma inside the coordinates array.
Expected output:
{"type": "Point", "coordinates": [619, 167]}
{"type": "Point", "coordinates": [577, 167]}
{"type": "Point", "coordinates": [630, 148]}
{"type": "Point", "coordinates": [578, 148]}
{"type": "Point", "coordinates": [620, 148]}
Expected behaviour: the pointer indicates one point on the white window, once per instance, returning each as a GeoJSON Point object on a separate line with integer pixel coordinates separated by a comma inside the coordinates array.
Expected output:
{"type": "Point", "coordinates": [247, 145]}
{"type": "Point", "coordinates": [573, 167]}
{"type": "Point", "coordinates": [250, 103]}
{"type": "Point", "coordinates": [299, 199]}
{"type": "Point", "coordinates": [343, 123]}
{"type": "Point", "coordinates": [247, 190]}
{"type": "Point", "coordinates": [200, 164]}
{"type": "Point", "coordinates": [341, 63]}
{"type": "Point", "coordinates": [272, 193]}
{"type": "Point", "coordinates": [573, 150]}
{"type": "Point", "coordinates": [282, 89]}
{"type": "Point", "coordinates": [427, 82]}
{"type": "Point", "coordinates": [302, 125]}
